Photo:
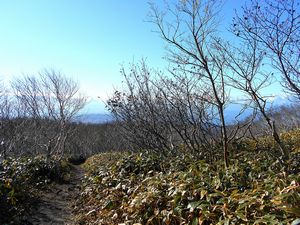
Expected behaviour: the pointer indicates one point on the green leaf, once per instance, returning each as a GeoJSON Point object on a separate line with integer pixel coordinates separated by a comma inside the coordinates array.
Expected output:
{"type": "Point", "coordinates": [195, 221]}
{"type": "Point", "coordinates": [108, 205]}
{"type": "Point", "coordinates": [193, 205]}
{"type": "Point", "coordinates": [267, 219]}
{"type": "Point", "coordinates": [203, 193]}
{"type": "Point", "coordinates": [227, 221]}
{"type": "Point", "coordinates": [177, 211]}
{"type": "Point", "coordinates": [241, 216]}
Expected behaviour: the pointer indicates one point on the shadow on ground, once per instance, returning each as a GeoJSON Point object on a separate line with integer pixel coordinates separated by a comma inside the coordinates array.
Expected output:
{"type": "Point", "coordinates": [54, 205]}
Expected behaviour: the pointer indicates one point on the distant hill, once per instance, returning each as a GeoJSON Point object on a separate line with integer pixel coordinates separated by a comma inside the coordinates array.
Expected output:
{"type": "Point", "coordinates": [231, 111]}
{"type": "Point", "coordinates": [94, 118]}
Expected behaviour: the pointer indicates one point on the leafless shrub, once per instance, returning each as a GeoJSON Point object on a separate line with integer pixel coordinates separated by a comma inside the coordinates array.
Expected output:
{"type": "Point", "coordinates": [48, 103]}
{"type": "Point", "coordinates": [275, 25]}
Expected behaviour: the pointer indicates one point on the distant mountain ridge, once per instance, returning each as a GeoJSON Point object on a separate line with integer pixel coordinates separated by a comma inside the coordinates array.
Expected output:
{"type": "Point", "coordinates": [94, 118]}
{"type": "Point", "coordinates": [231, 111]}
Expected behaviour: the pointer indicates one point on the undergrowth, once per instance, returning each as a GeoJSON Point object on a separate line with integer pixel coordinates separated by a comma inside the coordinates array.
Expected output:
{"type": "Point", "coordinates": [20, 180]}
{"type": "Point", "coordinates": [147, 188]}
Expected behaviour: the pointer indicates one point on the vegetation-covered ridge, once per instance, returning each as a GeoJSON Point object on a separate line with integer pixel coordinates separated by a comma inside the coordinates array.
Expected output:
{"type": "Point", "coordinates": [197, 166]}
{"type": "Point", "coordinates": [147, 188]}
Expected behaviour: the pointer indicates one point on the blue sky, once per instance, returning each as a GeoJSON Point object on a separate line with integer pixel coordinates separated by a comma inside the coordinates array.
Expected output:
{"type": "Point", "coordinates": [86, 39]}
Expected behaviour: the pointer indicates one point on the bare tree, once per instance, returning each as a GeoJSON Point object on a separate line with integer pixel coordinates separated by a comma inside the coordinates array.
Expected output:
{"type": "Point", "coordinates": [161, 113]}
{"type": "Point", "coordinates": [11, 128]}
{"type": "Point", "coordinates": [63, 101]}
{"type": "Point", "coordinates": [5, 115]}
{"type": "Point", "coordinates": [189, 104]}
{"type": "Point", "coordinates": [250, 77]}
{"type": "Point", "coordinates": [137, 108]}
{"type": "Point", "coordinates": [275, 25]}
{"type": "Point", "coordinates": [49, 102]}
{"type": "Point", "coordinates": [188, 112]}
{"type": "Point", "coordinates": [268, 30]}
{"type": "Point", "coordinates": [189, 29]}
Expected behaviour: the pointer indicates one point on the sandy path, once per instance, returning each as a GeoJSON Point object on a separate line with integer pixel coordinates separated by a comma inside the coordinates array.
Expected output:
{"type": "Point", "coordinates": [54, 206]}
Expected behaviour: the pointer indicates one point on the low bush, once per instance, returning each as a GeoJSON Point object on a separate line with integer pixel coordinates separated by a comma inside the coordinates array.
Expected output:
{"type": "Point", "coordinates": [144, 188]}
{"type": "Point", "coordinates": [20, 178]}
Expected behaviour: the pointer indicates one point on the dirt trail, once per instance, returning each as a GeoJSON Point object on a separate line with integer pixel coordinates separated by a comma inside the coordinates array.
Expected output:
{"type": "Point", "coordinates": [54, 206]}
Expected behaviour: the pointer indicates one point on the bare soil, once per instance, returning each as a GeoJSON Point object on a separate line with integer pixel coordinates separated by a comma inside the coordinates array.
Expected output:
{"type": "Point", "coordinates": [54, 205]}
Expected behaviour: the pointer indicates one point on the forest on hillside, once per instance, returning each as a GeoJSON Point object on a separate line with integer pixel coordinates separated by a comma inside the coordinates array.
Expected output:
{"type": "Point", "coordinates": [170, 156]}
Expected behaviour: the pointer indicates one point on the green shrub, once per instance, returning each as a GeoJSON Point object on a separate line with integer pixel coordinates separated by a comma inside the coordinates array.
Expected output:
{"type": "Point", "coordinates": [177, 189]}
{"type": "Point", "coordinates": [19, 180]}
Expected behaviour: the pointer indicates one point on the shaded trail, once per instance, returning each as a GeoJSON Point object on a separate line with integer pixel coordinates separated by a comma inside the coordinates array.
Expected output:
{"type": "Point", "coordinates": [55, 205]}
